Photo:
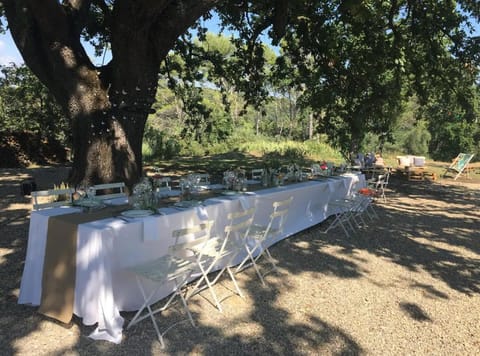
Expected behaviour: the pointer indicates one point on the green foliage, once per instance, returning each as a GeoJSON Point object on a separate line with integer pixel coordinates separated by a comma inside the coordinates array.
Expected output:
{"type": "Point", "coordinates": [26, 105]}
{"type": "Point", "coordinates": [418, 140]}
{"type": "Point", "coordinates": [352, 64]}
{"type": "Point", "coordinates": [147, 152]}
{"type": "Point", "coordinates": [156, 145]}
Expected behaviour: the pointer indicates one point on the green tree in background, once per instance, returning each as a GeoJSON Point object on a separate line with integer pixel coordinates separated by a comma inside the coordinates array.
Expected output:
{"type": "Point", "coordinates": [26, 105]}
{"type": "Point", "coordinates": [351, 61]}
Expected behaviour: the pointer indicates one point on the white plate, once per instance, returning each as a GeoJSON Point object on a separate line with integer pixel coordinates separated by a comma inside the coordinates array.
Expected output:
{"type": "Point", "coordinates": [136, 213]}
{"type": "Point", "coordinates": [187, 204]}
{"type": "Point", "coordinates": [87, 203]}
{"type": "Point", "coordinates": [216, 186]}
{"type": "Point", "coordinates": [230, 192]}
{"type": "Point", "coordinates": [202, 187]}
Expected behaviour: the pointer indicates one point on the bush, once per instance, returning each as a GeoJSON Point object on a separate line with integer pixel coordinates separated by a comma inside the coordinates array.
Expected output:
{"type": "Point", "coordinates": [156, 146]}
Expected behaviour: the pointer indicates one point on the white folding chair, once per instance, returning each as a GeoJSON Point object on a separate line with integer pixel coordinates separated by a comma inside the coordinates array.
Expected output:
{"type": "Point", "coordinates": [113, 190]}
{"type": "Point", "coordinates": [163, 182]}
{"type": "Point", "coordinates": [382, 184]}
{"type": "Point", "coordinates": [223, 251]}
{"type": "Point", "coordinates": [379, 184]}
{"type": "Point", "coordinates": [255, 243]}
{"type": "Point", "coordinates": [349, 212]}
{"type": "Point", "coordinates": [176, 266]}
{"type": "Point", "coordinates": [340, 210]}
{"type": "Point", "coordinates": [199, 178]}
{"type": "Point", "coordinates": [52, 198]}
{"type": "Point", "coordinates": [257, 174]}
{"type": "Point", "coordinates": [162, 185]}
{"type": "Point", "coordinates": [316, 170]}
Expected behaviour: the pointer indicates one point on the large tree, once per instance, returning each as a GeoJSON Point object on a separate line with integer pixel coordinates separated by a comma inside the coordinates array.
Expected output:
{"type": "Point", "coordinates": [108, 105]}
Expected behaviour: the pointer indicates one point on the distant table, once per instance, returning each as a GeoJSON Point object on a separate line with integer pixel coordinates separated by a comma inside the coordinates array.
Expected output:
{"type": "Point", "coordinates": [415, 173]}
{"type": "Point", "coordinates": [105, 248]}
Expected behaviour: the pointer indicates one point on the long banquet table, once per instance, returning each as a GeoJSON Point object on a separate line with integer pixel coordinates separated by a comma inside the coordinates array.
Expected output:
{"type": "Point", "coordinates": [106, 248]}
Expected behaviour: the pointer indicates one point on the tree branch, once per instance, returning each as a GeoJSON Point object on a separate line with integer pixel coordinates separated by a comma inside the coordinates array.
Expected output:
{"type": "Point", "coordinates": [180, 16]}
{"type": "Point", "coordinates": [49, 45]}
{"type": "Point", "coordinates": [78, 11]}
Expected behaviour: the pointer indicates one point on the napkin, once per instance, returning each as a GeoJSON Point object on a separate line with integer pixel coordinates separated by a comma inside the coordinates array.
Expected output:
{"type": "Point", "coordinates": [202, 213]}
{"type": "Point", "coordinates": [245, 203]}
{"type": "Point", "coordinates": [151, 228]}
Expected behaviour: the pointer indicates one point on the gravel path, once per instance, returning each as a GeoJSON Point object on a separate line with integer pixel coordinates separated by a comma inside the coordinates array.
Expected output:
{"type": "Point", "coordinates": [409, 283]}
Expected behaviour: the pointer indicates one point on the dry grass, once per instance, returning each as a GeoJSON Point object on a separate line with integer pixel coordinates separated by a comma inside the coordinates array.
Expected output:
{"type": "Point", "coordinates": [409, 283]}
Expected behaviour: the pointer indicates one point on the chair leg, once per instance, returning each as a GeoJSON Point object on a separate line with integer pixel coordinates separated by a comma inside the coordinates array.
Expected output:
{"type": "Point", "coordinates": [269, 258]}
{"type": "Point", "coordinates": [232, 277]}
{"type": "Point", "coordinates": [151, 313]}
{"type": "Point", "coordinates": [252, 261]}
{"type": "Point", "coordinates": [196, 288]}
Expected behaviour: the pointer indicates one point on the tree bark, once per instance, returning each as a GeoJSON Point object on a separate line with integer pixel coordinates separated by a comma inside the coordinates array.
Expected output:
{"type": "Point", "coordinates": [107, 106]}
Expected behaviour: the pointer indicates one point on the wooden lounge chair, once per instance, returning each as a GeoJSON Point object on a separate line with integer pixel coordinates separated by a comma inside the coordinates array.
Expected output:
{"type": "Point", "coordinates": [458, 165]}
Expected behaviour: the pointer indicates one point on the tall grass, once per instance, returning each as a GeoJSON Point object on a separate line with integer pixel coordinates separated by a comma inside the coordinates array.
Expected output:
{"type": "Point", "coordinates": [257, 146]}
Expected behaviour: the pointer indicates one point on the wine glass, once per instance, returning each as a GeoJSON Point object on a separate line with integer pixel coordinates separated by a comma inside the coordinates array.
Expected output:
{"type": "Point", "coordinates": [91, 192]}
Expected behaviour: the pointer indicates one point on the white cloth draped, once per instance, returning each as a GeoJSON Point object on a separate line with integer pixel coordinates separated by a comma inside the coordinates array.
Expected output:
{"type": "Point", "coordinates": [105, 248]}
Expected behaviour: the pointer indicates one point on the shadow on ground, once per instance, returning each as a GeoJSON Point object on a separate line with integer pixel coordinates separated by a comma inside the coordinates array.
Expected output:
{"type": "Point", "coordinates": [417, 236]}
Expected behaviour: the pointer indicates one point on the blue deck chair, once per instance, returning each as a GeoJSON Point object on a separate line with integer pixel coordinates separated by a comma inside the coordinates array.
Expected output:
{"type": "Point", "coordinates": [459, 164]}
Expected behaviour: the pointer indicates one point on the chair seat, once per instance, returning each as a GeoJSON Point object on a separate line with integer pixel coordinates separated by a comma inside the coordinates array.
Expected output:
{"type": "Point", "coordinates": [177, 266]}
{"type": "Point", "coordinates": [258, 234]}
{"type": "Point", "coordinates": [164, 268]}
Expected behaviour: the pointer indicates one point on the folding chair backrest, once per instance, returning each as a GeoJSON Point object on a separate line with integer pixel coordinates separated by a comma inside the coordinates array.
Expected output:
{"type": "Point", "coordinates": [316, 170]}
{"type": "Point", "coordinates": [163, 182]}
{"type": "Point", "coordinates": [257, 173]}
{"type": "Point", "coordinates": [387, 176]}
{"type": "Point", "coordinates": [190, 241]}
{"type": "Point", "coordinates": [204, 178]}
{"type": "Point", "coordinates": [52, 198]}
{"type": "Point", "coordinates": [239, 224]}
{"type": "Point", "coordinates": [278, 216]}
{"type": "Point", "coordinates": [118, 187]}
{"type": "Point", "coordinates": [199, 178]}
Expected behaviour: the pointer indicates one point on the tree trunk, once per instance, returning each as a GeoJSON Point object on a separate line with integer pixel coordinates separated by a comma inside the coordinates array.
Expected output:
{"type": "Point", "coordinates": [108, 106]}
{"type": "Point", "coordinates": [310, 126]}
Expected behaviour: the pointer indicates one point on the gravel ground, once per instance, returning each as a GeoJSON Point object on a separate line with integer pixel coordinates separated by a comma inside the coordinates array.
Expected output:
{"type": "Point", "coordinates": [408, 283]}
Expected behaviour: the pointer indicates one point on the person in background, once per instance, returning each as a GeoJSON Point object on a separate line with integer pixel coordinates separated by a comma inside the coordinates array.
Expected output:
{"type": "Point", "coordinates": [369, 159]}
{"type": "Point", "coordinates": [379, 160]}
{"type": "Point", "coordinates": [359, 160]}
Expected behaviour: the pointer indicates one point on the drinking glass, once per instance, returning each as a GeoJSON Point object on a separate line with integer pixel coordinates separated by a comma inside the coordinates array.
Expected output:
{"type": "Point", "coordinates": [91, 192]}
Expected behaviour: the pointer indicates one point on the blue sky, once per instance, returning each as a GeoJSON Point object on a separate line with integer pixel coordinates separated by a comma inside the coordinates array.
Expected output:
{"type": "Point", "coordinates": [9, 52]}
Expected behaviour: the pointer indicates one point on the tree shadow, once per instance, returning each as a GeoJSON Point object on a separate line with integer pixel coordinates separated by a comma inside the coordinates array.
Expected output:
{"type": "Point", "coordinates": [414, 311]}
{"type": "Point", "coordinates": [442, 239]}
{"type": "Point", "coordinates": [416, 237]}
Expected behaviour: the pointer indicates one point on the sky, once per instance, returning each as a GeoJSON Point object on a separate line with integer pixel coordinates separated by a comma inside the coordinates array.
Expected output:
{"type": "Point", "coordinates": [9, 52]}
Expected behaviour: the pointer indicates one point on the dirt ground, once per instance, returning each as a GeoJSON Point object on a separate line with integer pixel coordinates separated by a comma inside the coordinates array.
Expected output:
{"type": "Point", "coordinates": [408, 283]}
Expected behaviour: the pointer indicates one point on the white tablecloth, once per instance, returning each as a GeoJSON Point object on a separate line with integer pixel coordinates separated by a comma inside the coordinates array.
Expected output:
{"type": "Point", "coordinates": [107, 247]}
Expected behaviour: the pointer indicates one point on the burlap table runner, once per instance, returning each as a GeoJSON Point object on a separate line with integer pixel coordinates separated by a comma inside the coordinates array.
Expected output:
{"type": "Point", "coordinates": [59, 268]}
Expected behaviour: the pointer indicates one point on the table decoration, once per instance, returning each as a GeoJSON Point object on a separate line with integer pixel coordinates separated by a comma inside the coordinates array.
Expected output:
{"type": "Point", "coordinates": [137, 213]}
{"type": "Point", "coordinates": [185, 204]}
{"type": "Point", "coordinates": [143, 197]}
{"type": "Point", "coordinates": [88, 203]}
{"type": "Point", "coordinates": [235, 180]}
